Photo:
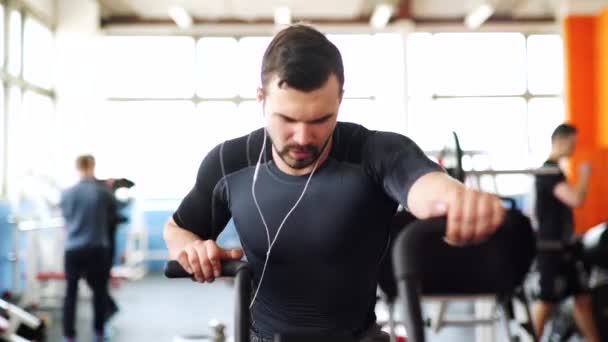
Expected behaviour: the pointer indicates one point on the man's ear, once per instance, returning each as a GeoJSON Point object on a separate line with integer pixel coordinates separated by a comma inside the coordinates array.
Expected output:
{"type": "Point", "coordinates": [260, 94]}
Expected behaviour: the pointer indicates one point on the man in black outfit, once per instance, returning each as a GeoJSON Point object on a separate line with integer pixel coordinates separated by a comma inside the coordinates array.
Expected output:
{"type": "Point", "coordinates": [312, 200]}
{"type": "Point", "coordinates": [115, 220]}
{"type": "Point", "coordinates": [561, 274]}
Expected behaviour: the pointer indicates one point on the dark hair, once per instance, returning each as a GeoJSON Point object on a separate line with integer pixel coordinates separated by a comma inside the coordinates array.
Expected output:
{"type": "Point", "coordinates": [85, 162]}
{"type": "Point", "coordinates": [562, 131]}
{"type": "Point", "coordinates": [303, 58]}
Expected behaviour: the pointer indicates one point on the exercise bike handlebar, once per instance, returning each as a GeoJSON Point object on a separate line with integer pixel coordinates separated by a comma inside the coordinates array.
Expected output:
{"type": "Point", "coordinates": [230, 268]}
{"type": "Point", "coordinates": [242, 279]}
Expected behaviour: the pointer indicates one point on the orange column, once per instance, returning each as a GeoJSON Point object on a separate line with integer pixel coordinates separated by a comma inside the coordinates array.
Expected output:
{"type": "Point", "coordinates": [601, 166]}
{"type": "Point", "coordinates": [602, 77]}
{"type": "Point", "coordinates": [586, 53]}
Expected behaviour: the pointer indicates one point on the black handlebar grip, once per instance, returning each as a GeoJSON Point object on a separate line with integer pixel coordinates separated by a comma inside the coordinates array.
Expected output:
{"type": "Point", "coordinates": [174, 270]}
{"type": "Point", "coordinates": [230, 268]}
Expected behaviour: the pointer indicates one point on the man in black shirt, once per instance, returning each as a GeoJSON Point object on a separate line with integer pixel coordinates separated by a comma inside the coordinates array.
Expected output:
{"type": "Point", "coordinates": [561, 275]}
{"type": "Point", "coordinates": [312, 199]}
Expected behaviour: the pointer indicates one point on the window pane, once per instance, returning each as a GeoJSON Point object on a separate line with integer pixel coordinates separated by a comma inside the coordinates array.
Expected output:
{"type": "Point", "coordinates": [218, 121]}
{"type": "Point", "coordinates": [38, 53]}
{"type": "Point", "coordinates": [371, 114]}
{"type": "Point", "coordinates": [3, 133]}
{"type": "Point", "coordinates": [36, 147]}
{"type": "Point", "coordinates": [15, 140]}
{"type": "Point", "coordinates": [421, 125]}
{"type": "Point", "coordinates": [145, 67]}
{"type": "Point", "coordinates": [545, 64]}
{"type": "Point", "coordinates": [159, 158]}
{"type": "Point", "coordinates": [217, 71]}
{"type": "Point", "coordinates": [357, 58]}
{"type": "Point", "coordinates": [250, 117]}
{"type": "Point", "coordinates": [503, 120]}
{"type": "Point", "coordinates": [480, 63]}
{"type": "Point", "coordinates": [544, 115]}
{"type": "Point", "coordinates": [388, 75]}
{"type": "Point", "coordinates": [251, 52]}
{"type": "Point", "coordinates": [420, 64]}
{"type": "Point", "coordinates": [358, 111]}
{"type": "Point", "coordinates": [2, 35]}
{"type": "Point", "coordinates": [14, 62]}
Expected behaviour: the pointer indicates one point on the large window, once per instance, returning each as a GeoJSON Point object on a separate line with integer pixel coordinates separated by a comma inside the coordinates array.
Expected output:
{"type": "Point", "coordinates": [178, 97]}
{"type": "Point", "coordinates": [38, 53]}
{"type": "Point", "coordinates": [3, 131]}
{"type": "Point", "coordinates": [501, 92]}
{"type": "Point", "coordinates": [14, 42]}
{"type": "Point", "coordinates": [27, 99]}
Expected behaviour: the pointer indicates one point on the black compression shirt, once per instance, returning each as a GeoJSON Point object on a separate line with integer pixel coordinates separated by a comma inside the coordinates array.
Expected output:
{"type": "Point", "coordinates": [322, 272]}
{"type": "Point", "coordinates": [555, 219]}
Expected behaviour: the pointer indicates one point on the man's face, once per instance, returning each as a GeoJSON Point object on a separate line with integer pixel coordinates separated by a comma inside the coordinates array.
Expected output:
{"type": "Point", "coordinates": [569, 144]}
{"type": "Point", "coordinates": [300, 123]}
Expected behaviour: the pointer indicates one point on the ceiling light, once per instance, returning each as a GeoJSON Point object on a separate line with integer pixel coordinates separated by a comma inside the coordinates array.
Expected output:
{"type": "Point", "coordinates": [181, 17]}
{"type": "Point", "coordinates": [381, 16]}
{"type": "Point", "coordinates": [282, 16]}
{"type": "Point", "coordinates": [479, 16]}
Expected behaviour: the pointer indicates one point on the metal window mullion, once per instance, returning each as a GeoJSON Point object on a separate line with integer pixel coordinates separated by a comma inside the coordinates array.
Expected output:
{"type": "Point", "coordinates": [198, 99]}
{"type": "Point", "coordinates": [527, 96]}
{"type": "Point", "coordinates": [4, 180]}
{"type": "Point", "coordinates": [21, 83]}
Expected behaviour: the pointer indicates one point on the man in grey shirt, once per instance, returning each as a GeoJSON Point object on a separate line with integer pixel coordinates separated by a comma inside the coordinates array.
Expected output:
{"type": "Point", "coordinates": [87, 208]}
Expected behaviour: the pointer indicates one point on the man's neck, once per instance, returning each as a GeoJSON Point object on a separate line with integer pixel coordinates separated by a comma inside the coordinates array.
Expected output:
{"type": "Point", "coordinates": [555, 156]}
{"type": "Point", "coordinates": [87, 177]}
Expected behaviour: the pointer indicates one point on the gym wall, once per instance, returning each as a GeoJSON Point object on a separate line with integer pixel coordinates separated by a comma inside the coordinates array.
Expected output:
{"type": "Point", "coordinates": [586, 94]}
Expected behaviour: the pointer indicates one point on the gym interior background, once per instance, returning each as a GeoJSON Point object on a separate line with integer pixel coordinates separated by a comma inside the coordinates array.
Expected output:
{"type": "Point", "coordinates": [149, 87]}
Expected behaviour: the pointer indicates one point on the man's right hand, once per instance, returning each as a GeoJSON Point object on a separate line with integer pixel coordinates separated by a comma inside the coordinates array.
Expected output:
{"type": "Point", "coordinates": [202, 259]}
{"type": "Point", "coordinates": [585, 169]}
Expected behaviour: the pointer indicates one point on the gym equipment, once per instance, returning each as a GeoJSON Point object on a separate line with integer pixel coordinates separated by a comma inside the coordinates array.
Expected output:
{"type": "Point", "coordinates": [595, 253]}
{"type": "Point", "coordinates": [595, 246]}
{"type": "Point", "coordinates": [386, 277]}
{"type": "Point", "coordinates": [242, 318]}
{"type": "Point", "coordinates": [450, 157]}
{"type": "Point", "coordinates": [592, 250]}
{"type": "Point", "coordinates": [242, 282]}
{"type": "Point", "coordinates": [42, 256]}
{"type": "Point", "coordinates": [426, 265]}
{"type": "Point", "coordinates": [17, 324]}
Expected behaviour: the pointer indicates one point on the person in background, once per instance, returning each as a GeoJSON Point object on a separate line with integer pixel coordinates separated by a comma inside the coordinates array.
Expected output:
{"type": "Point", "coordinates": [115, 220]}
{"type": "Point", "coordinates": [561, 275]}
{"type": "Point", "coordinates": [88, 208]}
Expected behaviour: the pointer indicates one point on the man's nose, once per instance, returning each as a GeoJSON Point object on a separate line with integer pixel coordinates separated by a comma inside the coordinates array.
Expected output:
{"type": "Point", "coordinates": [303, 134]}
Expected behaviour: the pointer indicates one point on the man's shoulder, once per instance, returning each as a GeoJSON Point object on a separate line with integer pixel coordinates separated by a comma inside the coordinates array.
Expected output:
{"type": "Point", "coordinates": [232, 155]}
{"type": "Point", "coordinates": [351, 129]}
{"type": "Point", "coordinates": [67, 191]}
{"type": "Point", "coordinates": [354, 131]}
{"type": "Point", "coordinates": [550, 178]}
{"type": "Point", "coordinates": [353, 140]}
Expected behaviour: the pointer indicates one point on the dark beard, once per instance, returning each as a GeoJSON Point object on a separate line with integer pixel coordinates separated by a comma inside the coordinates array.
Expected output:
{"type": "Point", "coordinates": [314, 153]}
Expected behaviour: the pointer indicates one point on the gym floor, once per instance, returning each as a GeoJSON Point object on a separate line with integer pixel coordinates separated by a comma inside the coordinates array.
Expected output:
{"type": "Point", "coordinates": [156, 309]}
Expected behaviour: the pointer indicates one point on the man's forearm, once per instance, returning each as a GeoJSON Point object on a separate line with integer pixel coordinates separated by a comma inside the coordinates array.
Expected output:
{"type": "Point", "coordinates": [177, 238]}
{"type": "Point", "coordinates": [582, 186]}
{"type": "Point", "coordinates": [430, 190]}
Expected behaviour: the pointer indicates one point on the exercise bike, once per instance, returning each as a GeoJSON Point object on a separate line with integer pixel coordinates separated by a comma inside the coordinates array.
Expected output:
{"type": "Point", "coordinates": [592, 250]}
{"type": "Point", "coordinates": [18, 325]}
{"type": "Point", "coordinates": [242, 275]}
